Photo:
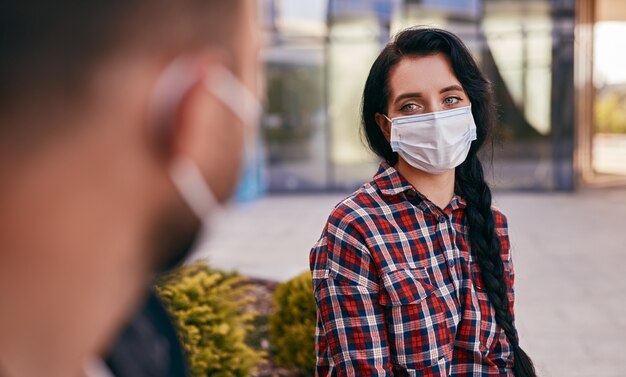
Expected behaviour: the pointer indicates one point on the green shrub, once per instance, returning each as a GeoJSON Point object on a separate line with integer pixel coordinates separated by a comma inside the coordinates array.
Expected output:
{"type": "Point", "coordinates": [292, 326]}
{"type": "Point", "coordinates": [209, 308]}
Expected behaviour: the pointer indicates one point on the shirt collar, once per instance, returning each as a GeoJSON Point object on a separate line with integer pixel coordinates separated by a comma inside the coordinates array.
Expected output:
{"type": "Point", "coordinates": [390, 183]}
{"type": "Point", "coordinates": [457, 202]}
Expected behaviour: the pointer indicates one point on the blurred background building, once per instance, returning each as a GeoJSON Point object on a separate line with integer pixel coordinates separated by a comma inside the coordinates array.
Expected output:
{"type": "Point", "coordinates": [558, 69]}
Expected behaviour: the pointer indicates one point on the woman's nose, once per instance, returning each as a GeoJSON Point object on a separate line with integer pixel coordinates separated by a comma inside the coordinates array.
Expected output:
{"type": "Point", "coordinates": [432, 106]}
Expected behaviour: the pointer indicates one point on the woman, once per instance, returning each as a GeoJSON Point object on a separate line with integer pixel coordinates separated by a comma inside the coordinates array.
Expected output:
{"type": "Point", "coordinates": [412, 274]}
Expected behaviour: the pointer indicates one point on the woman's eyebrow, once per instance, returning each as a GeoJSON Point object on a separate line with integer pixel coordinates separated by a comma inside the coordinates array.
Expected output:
{"type": "Point", "coordinates": [408, 95]}
{"type": "Point", "coordinates": [451, 88]}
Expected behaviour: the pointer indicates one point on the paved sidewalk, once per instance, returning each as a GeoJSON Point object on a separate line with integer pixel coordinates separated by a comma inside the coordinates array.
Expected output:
{"type": "Point", "coordinates": [570, 259]}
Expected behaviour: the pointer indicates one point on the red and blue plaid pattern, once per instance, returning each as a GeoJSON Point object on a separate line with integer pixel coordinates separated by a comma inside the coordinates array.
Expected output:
{"type": "Point", "coordinates": [398, 291]}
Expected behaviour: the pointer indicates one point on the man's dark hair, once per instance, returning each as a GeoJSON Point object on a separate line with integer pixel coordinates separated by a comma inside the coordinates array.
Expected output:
{"type": "Point", "coordinates": [49, 49]}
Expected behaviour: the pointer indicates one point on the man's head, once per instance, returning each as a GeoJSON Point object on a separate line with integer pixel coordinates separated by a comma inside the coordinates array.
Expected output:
{"type": "Point", "coordinates": [91, 123]}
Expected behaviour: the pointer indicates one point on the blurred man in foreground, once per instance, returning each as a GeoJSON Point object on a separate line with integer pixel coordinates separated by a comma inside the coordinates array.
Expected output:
{"type": "Point", "coordinates": [122, 127]}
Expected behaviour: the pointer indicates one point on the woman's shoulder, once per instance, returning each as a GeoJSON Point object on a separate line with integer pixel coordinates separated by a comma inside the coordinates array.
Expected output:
{"type": "Point", "coordinates": [499, 217]}
{"type": "Point", "coordinates": [357, 206]}
{"type": "Point", "coordinates": [501, 222]}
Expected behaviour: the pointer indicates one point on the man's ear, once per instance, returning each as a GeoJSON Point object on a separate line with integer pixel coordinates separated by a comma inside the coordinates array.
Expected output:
{"type": "Point", "coordinates": [182, 107]}
{"type": "Point", "coordinates": [384, 124]}
{"type": "Point", "coordinates": [198, 125]}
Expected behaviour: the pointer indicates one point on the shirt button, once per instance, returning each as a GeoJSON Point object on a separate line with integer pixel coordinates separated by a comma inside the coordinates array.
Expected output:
{"type": "Point", "coordinates": [442, 219]}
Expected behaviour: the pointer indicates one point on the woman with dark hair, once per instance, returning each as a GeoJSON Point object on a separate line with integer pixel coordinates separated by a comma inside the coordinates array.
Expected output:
{"type": "Point", "coordinates": [412, 274]}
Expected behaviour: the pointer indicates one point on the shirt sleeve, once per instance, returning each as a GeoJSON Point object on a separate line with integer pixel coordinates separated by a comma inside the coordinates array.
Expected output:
{"type": "Point", "coordinates": [351, 333]}
{"type": "Point", "coordinates": [505, 352]}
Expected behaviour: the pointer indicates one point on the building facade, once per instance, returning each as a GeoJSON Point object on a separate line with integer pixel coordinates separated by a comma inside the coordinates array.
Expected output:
{"type": "Point", "coordinates": [555, 66]}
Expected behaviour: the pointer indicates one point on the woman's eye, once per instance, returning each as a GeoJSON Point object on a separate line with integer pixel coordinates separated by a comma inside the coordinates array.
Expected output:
{"type": "Point", "coordinates": [452, 100]}
{"type": "Point", "coordinates": [409, 107]}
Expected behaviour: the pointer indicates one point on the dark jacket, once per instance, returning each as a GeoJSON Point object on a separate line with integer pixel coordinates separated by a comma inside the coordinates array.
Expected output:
{"type": "Point", "coordinates": [149, 345]}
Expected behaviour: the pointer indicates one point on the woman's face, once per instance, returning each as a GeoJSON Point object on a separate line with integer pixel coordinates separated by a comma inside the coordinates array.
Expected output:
{"type": "Point", "coordinates": [422, 84]}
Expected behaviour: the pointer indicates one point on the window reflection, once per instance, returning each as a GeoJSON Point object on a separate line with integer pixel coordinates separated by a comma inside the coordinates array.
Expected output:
{"type": "Point", "coordinates": [295, 121]}
{"type": "Point", "coordinates": [321, 52]}
{"type": "Point", "coordinates": [518, 59]}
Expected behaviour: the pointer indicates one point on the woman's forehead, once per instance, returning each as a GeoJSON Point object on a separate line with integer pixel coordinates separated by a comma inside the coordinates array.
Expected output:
{"type": "Point", "coordinates": [422, 74]}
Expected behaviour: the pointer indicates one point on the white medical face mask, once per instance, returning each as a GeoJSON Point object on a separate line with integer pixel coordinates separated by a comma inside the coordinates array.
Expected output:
{"type": "Point", "coordinates": [184, 172]}
{"type": "Point", "coordinates": [434, 142]}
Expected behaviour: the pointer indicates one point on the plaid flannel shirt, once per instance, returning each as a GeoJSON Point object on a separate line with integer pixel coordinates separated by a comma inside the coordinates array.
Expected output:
{"type": "Point", "coordinates": [398, 290]}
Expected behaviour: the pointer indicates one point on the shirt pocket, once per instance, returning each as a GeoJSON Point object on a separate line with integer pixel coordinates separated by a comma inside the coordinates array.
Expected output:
{"type": "Point", "coordinates": [417, 320]}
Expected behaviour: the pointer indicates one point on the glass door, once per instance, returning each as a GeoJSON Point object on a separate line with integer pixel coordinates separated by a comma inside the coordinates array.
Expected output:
{"type": "Point", "coordinates": [609, 85]}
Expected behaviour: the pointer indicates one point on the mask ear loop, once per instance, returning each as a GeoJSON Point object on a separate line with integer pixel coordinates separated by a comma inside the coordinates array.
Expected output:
{"type": "Point", "coordinates": [226, 87]}
{"type": "Point", "coordinates": [243, 103]}
{"type": "Point", "coordinates": [176, 80]}
{"type": "Point", "coordinates": [192, 186]}
{"type": "Point", "coordinates": [174, 83]}
{"type": "Point", "coordinates": [169, 91]}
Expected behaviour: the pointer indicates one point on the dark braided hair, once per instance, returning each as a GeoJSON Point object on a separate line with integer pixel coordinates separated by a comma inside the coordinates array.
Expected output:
{"type": "Point", "coordinates": [470, 181]}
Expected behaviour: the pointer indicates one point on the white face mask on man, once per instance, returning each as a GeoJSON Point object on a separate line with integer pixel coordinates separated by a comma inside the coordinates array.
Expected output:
{"type": "Point", "coordinates": [184, 172]}
{"type": "Point", "coordinates": [434, 142]}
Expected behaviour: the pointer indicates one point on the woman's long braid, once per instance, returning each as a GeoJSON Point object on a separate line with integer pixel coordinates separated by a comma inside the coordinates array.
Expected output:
{"type": "Point", "coordinates": [486, 244]}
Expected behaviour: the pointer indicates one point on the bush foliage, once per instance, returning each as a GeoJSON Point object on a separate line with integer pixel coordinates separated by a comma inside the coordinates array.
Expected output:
{"type": "Point", "coordinates": [292, 325]}
{"type": "Point", "coordinates": [209, 308]}
{"type": "Point", "coordinates": [610, 112]}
